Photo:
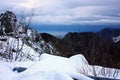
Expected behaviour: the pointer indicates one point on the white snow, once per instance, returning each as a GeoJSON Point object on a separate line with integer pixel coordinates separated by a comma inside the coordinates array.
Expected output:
{"type": "Point", "coordinates": [48, 68]}
{"type": "Point", "coordinates": [6, 73]}
{"type": "Point", "coordinates": [45, 75]}
{"type": "Point", "coordinates": [52, 67]}
{"type": "Point", "coordinates": [25, 52]}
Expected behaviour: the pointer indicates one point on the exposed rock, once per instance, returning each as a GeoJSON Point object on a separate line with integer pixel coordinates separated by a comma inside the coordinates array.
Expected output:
{"type": "Point", "coordinates": [18, 42]}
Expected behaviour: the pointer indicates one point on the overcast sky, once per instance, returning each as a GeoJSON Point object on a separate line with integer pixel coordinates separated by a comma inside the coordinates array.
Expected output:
{"type": "Point", "coordinates": [66, 12]}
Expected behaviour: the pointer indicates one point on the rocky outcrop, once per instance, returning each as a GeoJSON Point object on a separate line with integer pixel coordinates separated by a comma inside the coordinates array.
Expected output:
{"type": "Point", "coordinates": [18, 42]}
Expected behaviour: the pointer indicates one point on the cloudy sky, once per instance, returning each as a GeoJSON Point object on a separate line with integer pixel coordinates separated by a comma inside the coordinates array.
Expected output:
{"type": "Point", "coordinates": [66, 12]}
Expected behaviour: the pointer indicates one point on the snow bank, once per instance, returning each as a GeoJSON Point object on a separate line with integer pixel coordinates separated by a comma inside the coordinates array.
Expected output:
{"type": "Point", "coordinates": [55, 64]}
{"type": "Point", "coordinates": [5, 72]}
{"type": "Point", "coordinates": [52, 67]}
{"type": "Point", "coordinates": [45, 75]}
{"type": "Point", "coordinates": [73, 66]}
{"type": "Point", "coordinates": [48, 68]}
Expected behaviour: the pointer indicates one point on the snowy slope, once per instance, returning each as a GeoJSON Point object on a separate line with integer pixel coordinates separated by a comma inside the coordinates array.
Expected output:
{"type": "Point", "coordinates": [48, 68]}
{"type": "Point", "coordinates": [20, 43]}
{"type": "Point", "coordinates": [52, 67]}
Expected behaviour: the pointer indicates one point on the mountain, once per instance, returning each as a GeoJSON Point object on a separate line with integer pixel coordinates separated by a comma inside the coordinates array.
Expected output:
{"type": "Point", "coordinates": [20, 43]}
{"type": "Point", "coordinates": [95, 48]}
{"type": "Point", "coordinates": [109, 33]}
{"type": "Point", "coordinates": [57, 42]}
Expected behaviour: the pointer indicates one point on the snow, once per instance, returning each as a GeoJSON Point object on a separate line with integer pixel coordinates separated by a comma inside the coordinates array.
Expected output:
{"type": "Point", "coordinates": [79, 59]}
{"type": "Point", "coordinates": [105, 72]}
{"type": "Point", "coordinates": [79, 76]}
{"type": "Point", "coordinates": [55, 63]}
{"type": "Point", "coordinates": [48, 68]}
{"type": "Point", "coordinates": [52, 67]}
{"type": "Point", "coordinates": [45, 75]}
{"type": "Point", "coordinates": [25, 52]}
{"type": "Point", "coordinates": [5, 72]}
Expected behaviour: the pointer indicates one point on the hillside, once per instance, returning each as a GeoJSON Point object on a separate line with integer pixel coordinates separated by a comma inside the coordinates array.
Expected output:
{"type": "Point", "coordinates": [93, 46]}
{"type": "Point", "coordinates": [20, 43]}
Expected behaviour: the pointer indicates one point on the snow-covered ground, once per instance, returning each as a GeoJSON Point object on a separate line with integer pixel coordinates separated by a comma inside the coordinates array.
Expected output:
{"type": "Point", "coordinates": [15, 49]}
{"type": "Point", "coordinates": [53, 68]}
{"type": "Point", "coordinates": [48, 68]}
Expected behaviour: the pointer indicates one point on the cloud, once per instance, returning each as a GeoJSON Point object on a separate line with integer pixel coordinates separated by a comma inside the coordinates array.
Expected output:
{"type": "Point", "coordinates": [66, 11]}
{"type": "Point", "coordinates": [70, 20]}
{"type": "Point", "coordinates": [28, 4]}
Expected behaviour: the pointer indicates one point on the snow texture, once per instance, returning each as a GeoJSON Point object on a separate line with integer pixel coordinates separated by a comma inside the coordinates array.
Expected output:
{"type": "Point", "coordinates": [48, 68]}
{"type": "Point", "coordinates": [52, 67]}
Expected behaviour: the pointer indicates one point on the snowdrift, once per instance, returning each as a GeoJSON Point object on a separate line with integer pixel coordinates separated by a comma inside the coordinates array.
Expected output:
{"type": "Point", "coordinates": [48, 68]}
{"type": "Point", "coordinates": [52, 67]}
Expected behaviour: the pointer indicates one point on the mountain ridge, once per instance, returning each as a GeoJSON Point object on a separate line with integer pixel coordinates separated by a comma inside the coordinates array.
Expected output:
{"type": "Point", "coordinates": [93, 46]}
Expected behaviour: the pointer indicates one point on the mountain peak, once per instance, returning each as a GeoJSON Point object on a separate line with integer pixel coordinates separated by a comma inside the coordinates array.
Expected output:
{"type": "Point", "coordinates": [8, 14]}
{"type": "Point", "coordinates": [8, 21]}
{"type": "Point", "coordinates": [20, 43]}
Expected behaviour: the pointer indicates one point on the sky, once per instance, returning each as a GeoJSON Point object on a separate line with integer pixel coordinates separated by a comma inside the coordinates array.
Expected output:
{"type": "Point", "coordinates": [66, 15]}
